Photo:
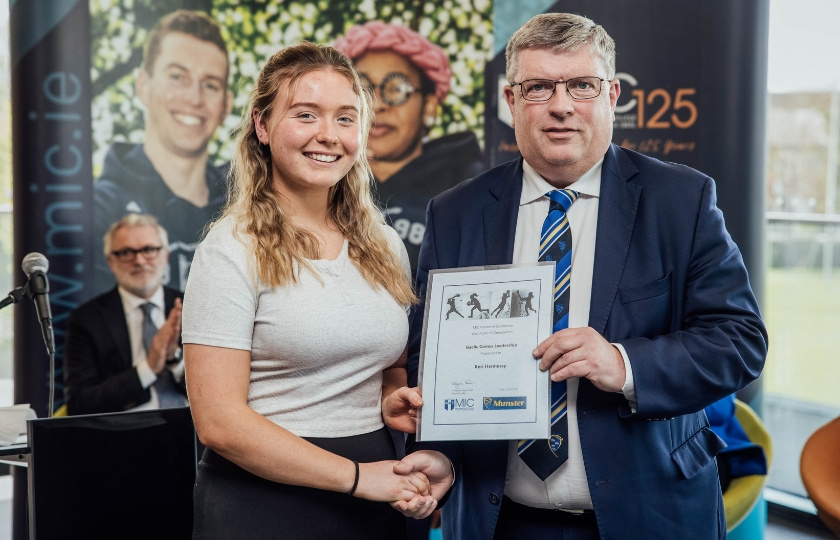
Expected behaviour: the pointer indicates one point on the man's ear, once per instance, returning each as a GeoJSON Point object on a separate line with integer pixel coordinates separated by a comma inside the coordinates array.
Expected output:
{"type": "Point", "coordinates": [141, 86]}
{"type": "Point", "coordinates": [615, 91]}
{"type": "Point", "coordinates": [111, 264]}
{"type": "Point", "coordinates": [509, 98]}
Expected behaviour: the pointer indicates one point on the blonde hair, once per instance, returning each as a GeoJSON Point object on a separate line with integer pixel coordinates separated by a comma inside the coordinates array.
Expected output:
{"type": "Point", "coordinates": [279, 246]}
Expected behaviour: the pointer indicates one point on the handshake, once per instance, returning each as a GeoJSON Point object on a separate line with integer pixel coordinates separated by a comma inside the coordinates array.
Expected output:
{"type": "Point", "coordinates": [414, 485]}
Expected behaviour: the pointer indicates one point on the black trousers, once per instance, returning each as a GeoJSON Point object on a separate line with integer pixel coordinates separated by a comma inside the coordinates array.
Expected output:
{"type": "Point", "coordinates": [231, 503]}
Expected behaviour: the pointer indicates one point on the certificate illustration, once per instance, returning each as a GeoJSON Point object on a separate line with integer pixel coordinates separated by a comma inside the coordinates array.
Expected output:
{"type": "Point", "coordinates": [477, 372]}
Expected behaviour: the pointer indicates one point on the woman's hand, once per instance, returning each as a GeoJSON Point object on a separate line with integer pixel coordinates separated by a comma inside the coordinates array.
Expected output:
{"type": "Point", "coordinates": [399, 409]}
{"type": "Point", "coordinates": [418, 508]}
{"type": "Point", "coordinates": [379, 482]}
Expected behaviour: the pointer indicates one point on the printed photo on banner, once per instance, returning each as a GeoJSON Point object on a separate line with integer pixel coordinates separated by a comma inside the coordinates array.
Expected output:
{"type": "Point", "coordinates": [169, 80]}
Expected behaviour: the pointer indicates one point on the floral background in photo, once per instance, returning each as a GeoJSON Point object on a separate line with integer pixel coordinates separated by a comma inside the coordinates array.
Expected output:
{"type": "Point", "coordinates": [255, 29]}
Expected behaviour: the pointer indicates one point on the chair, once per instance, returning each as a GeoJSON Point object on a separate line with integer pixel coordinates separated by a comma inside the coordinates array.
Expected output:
{"type": "Point", "coordinates": [119, 475]}
{"type": "Point", "coordinates": [741, 497]}
{"type": "Point", "coordinates": [819, 466]}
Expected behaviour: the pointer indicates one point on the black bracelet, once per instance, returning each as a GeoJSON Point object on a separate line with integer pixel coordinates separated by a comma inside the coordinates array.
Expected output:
{"type": "Point", "coordinates": [356, 481]}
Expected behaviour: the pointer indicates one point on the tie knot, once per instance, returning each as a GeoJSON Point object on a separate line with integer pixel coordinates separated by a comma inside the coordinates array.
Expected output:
{"type": "Point", "coordinates": [147, 308]}
{"type": "Point", "coordinates": [562, 199]}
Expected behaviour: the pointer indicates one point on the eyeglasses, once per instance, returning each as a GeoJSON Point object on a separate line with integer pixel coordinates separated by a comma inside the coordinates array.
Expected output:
{"type": "Point", "coordinates": [395, 89]}
{"type": "Point", "coordinates": [128, 254]}
{"type": "Point", "coordinates": [579, 88]}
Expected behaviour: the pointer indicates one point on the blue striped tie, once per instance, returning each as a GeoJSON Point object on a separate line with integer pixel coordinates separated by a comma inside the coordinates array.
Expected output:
{"type": "Point", "coordinates": [545, 456]}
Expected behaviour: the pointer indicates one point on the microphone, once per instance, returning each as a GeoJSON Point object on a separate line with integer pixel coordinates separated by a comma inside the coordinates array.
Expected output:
{"type": "Point", "coordinates": [35, 267]}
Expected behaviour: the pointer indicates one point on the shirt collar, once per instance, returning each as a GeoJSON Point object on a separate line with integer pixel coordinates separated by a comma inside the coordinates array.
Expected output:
{"type": "Point", "coordinates": [535, 186]}
{"type": "Point", "coordinates": [132, 301]}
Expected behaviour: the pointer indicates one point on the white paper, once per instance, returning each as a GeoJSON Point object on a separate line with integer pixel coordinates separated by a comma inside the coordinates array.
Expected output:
{"type": "Point", "coordinates": [13, 423]}
{"type": "Point", "coordinates": [478, 375]}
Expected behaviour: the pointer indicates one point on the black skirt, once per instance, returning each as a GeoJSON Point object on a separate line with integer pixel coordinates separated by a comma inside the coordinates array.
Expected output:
{"type": "Point", "coordinates": [231, 503]}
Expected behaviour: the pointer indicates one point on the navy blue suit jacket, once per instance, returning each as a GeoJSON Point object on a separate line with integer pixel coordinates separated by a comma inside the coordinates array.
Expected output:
{"type": "Point", "coordinates": [670, 286]}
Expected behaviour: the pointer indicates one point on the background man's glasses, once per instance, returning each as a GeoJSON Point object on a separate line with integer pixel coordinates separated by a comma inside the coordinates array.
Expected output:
{"type": "Point", "coordinates": [395, 89]}
{"type": "Point", "coordinates": [579, 88]}
{"type": "Point", "coordinates": [128, 254]}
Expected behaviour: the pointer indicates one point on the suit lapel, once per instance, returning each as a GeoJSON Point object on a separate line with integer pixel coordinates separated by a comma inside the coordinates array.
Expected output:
{"type": "Point", "coordinates": [501, 214]}
{"type": "Point", "coordinates": [619, 202]}
{"type": "Point", "coordinates": [114, 318]}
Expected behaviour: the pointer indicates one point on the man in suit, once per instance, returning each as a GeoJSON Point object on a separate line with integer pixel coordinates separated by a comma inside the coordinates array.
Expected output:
{"type": "Point", "coordinates": [662, 321]}
{"type": "Point", "coordinates": [122, 347]}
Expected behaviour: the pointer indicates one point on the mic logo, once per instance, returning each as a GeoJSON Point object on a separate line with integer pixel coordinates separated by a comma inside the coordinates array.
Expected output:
{"type": "Point", "coordinates": [464, 404]}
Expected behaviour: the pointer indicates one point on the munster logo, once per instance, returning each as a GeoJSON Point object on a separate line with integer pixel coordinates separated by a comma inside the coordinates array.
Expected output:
{"type": "Point", "coordinates": [502, 403]}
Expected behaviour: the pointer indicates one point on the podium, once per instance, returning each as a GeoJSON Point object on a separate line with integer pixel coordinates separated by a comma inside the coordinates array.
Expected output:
{"type": "Point", "coordinates": [120, 475]}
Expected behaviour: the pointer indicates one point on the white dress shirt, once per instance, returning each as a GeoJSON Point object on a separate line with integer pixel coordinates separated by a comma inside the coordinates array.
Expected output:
{"type": "Point", "coordinates": [132, 306]}
{"type": "Point", "coordinates": [567, 487]}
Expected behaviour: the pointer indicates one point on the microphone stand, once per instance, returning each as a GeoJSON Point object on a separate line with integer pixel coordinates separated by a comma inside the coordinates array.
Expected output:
{"type": "Point", "coordinates": [15, 296]}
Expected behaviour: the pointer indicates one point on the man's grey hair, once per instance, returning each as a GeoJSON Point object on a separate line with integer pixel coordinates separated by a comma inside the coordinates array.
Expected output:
{"type": "Point", "coordinates": [135, 220]}
{"type": "Point", "coordinates": [561, 32]}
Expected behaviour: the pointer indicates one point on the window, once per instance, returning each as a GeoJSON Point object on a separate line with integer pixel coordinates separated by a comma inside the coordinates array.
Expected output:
{"type": "Point", "coordinates": [802, 238]}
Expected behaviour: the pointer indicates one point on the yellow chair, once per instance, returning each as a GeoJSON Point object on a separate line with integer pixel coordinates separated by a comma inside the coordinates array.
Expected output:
{"type": "Point", "coordinates": [744, 492]}
{"type": "Point", "coordinates": [819, 466]}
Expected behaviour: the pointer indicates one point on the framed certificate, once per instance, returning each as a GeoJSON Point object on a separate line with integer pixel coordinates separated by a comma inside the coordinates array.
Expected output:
{"type": "Point", "coordinates": [478, 375]}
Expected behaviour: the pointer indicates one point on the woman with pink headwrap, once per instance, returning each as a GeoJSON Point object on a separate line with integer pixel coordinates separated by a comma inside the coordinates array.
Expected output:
{"type": "Point", "coordinates": [410, 77]}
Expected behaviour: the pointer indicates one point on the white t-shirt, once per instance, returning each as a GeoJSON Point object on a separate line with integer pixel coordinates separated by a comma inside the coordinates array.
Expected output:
{"type": "Point", "coordinates": [318, 347]}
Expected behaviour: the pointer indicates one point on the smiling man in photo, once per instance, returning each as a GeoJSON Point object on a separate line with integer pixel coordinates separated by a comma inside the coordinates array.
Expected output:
{"type": "Point", "coordinates": [182, 84]}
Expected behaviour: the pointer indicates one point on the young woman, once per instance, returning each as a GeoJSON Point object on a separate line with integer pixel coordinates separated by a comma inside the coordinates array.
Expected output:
{"type": "Point", "coordinates": [295, 323]}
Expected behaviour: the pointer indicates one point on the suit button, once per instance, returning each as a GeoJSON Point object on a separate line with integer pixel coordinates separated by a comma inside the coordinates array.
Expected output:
{"type": "Point", "coordinates": [494, 499]}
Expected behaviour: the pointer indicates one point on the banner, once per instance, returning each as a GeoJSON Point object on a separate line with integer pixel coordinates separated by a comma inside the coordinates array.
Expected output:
{"type": "Point", "coordinates": [52, 171]}
{"type": "Point", "coordinates": [85, 108]}
{"type": "Point", "coordinates": [693, 91]}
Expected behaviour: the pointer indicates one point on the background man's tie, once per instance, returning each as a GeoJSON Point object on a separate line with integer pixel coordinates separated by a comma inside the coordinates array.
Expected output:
{"type": "Point", "coordinates": [545, 456]}
{"type": "Point", "coordinates": [167, 389]}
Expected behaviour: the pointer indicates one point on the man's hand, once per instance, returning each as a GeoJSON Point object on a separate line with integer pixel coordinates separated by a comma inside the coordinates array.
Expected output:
{"type": "Point", "coordinates": [399, 409]}
{"type": "Point", "coordinates": [434, 465]}
{"type": "Point", "coordinates": [166, 340]}
{"type": "Point", "coordinates": [437, 469]}
{"type": "Point", "coordinates": [582, 352]}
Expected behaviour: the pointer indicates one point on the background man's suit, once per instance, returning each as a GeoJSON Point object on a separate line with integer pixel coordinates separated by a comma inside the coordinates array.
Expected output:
{"type": "Point", "coordinates": [671, 287]}
{"type": "Point", "coordinates": [99, 375]}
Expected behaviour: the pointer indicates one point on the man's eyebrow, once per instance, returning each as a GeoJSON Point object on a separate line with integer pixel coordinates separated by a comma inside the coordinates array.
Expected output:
{"type": "Point", "coordinates": [182, 67]}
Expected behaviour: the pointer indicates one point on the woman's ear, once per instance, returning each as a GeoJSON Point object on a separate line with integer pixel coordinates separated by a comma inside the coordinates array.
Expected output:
{"type": "Point", "coordinates": [259, 126]}
{"type": "Point", "coordinates": [430, 107]}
